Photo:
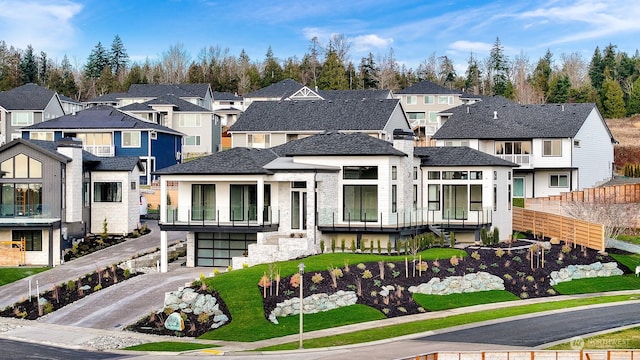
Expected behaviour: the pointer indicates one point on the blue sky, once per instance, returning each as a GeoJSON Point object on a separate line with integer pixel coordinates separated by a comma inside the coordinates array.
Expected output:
{"type": "Point", "coordinates": [415, 30]}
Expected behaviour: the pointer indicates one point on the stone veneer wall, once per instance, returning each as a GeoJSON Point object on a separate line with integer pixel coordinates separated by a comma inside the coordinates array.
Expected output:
{"type": "Point", "coordinates": [187, 300]}
{"type": "Point", "coordinates": [480, 281]}
{"type": "Point", "coordinates": [313, 304]}
{"type": "Point", "coordinates": [596, 269]}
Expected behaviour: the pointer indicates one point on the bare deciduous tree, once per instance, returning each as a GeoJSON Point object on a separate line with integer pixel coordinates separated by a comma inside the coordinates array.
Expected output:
{"type": "Point", "coordinates": [175, 62]}
{"type": "Point", "coordinates": [616, 217]}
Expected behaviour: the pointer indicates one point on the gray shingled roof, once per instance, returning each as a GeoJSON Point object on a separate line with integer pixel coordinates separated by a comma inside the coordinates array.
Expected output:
{"type": "Point", "coordinates": [68, 99]}
{"type": "Point", "coordinates": [112, 97]}
{"type": "Point", "coordinates": [427, 87]}
{"type": "Point", "coordinates": [457, 156]}
{"type": "Point", "coordinates": [321, 115]}
{"type": "Point", "coordinates": [280, 90]}
{"type": "Point", "coordinates": [156, 90]}
{"type": "Point", "coordinates": [235, 161]}
{"type": "Point", "coordinates": [338, 144]}
{"type": "Point", "coordinates": [118, 163]}
{"type": "Point", "coordinates": [100, 117]}
{"type": "Point", "coordinates": [514, 121]}
{"type": "Point", "coordinates": [217, 95]}
{"type": "Point", "coordinates": [354, 94]}
{"type": "Point", "coordinates": [178, 104]}
{"type": "Point", "coordinates": [26, 97]}
{"type": "Point", "coordinates": [47, 147]}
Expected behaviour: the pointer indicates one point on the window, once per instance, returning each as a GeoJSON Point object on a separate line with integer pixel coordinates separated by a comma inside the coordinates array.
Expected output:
{"type": "Point", "coordinates": [394, 173]}
{"type": "Point", "coordinates": [495, 175]}
{"type": "Point", "coordinates": [454, 175]}
{"type": "Point", "coordinates": [415, 116]}
{"type": "Point", "coordinates": [21, 199]}
{"type": "Point", "coordinates": [21, 118]}
{"type": "Point", "coordinates": [153, 135]}
{"type": "Point", "coordinates": [495, 197]}
{"type": "Point", "coordinates": [33, 239]}
{"type": "Point", "coordinates": [192, 140]}
{"type": "Point", "coordinates": [360, 172]}
{"type": "Point", "coordinates": [433, 116]}
{"type": "Point", "coordinates": [131, 139]}
{"type": "Point", "coordinates": [260, 141]}
{"type": "Point", "coordinates": [107, 192]}
{"type": "Point", "coordinates": [92, 139]}
{"type": "Point", "coordinates": [203, 202]}
{"type": "Point", "coordinates": [360, 203]}
{"type": "Point", "coordinates": [456, 143]}
{"type": "Point", "coordinates": [433, 175]}
{"type": "Point", "coordinates": [576, 143]}
{"type": "Point", "coordinates": [434, 197]}
{"type": "Point", "coordinates": [475, 198]}
{"type": "Point", "coordinates": [513, 148]}
{"type": "Point", "coordinates": [558, 181]}
{"type": "Point", "coordinates": [298, 184]}
{"type": "Point", "coordinates": [552, 148]}
{"type": "Point", "coordinates": [21, 167]}
{"type": "Point", "coordinates": [244, 202]}
{"type": "Point", "coordinates": [509, 175]}
{"type": "Point", "coordinates": [429, 99]}
{"type": "Point", "coordinates": [85, 194]}
{"type": "Point", "coordinates": [41, 135]}
{"type": "Point", "coordinates": [415, 197]}
{"type": "Point", "coordinates": [475, 175]}
{"type": "Point", "coordinates": [443, 99]}
{"type": "Point", "coordinates": [509, 196]}
{"type": "Point", "coordinates": [189, 120]}
{"type": "Point", "coordinates": [394, 198]}
{"type": "Point", "coordinates": [411, 100]}
{"type": "Point", "coordinates": [415, 173]}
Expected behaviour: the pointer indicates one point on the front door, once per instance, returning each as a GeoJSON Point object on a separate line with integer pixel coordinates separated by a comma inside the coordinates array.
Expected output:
{"type": "Point", "coordinates": [518, 187]}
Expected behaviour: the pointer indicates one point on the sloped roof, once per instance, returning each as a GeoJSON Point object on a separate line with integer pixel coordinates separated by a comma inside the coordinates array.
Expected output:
{"type": "Point", "coordinates": [217, 95]}
{"type": "Point", "coordinates": [100, 117]}
{"type": "Point", "coordinates": [235, 161]}
{"type": "Point", "coordinates": [457, 156]}
{"type": "Point", "coordinates": [178, 104]}
{"type": "Point", "coordinates": [46, 147]}
{"type": "Point", "coordinates": [354, 94]}
{"type": "Point", "coordinates": [68, 99]}
{"type": "Point", "coordinates": [338, 144]}
{"type": "Point", "coordinates": [118, 163]}
{"type": "Point", "coordinates": [26, 97]}
{"type": "Point", "coordinates": [111, 97]}
{"type": "Point", "coordinates": [281, 90]}
{"type": "Point", "coordinates": [156, 90]}
{"type": "Point", "coordinates": [497, 118]}
{"type": "Point", "coordinates": [321, 115]}
{"type": "Point", "coordinates": [429, 88]}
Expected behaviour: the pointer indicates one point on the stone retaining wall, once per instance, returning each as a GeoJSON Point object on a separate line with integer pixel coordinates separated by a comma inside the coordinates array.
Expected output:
{"type": "Point", "coordinates": [596, 269]}
{"type": "Point", "coordinates": [480, 281]}
{"type": "Point", "coordinates": [189, 301]}
{"type": "Point", "coordinates": [313, 304]}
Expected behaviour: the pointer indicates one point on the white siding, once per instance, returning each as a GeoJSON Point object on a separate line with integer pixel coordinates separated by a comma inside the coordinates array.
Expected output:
{"type": "Point", "coordinates": [594, 157]}
{"type": "Point", "coordinates": [122, 217]}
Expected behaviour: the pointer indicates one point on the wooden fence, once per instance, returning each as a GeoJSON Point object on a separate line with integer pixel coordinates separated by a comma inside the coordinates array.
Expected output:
{"type": "Point", "coordinates": [566, 228]}
{"type": "Point", "coordinates": [615, 194]}
{"type": "Point", "coordinates": [12, 253]}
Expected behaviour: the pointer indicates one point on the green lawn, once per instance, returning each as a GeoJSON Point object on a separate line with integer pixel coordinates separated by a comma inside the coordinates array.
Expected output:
{"type": "Point", "coordinates": [174, 346]}
{"type": "Point", "coordinates": [623, 339]}
{"type": "Point", "coordinates": [603, 284]}
{"type": "Point", "coordinates": [444, 302]}
{"type": "Point", "coordinates": [9, 275]}
{"type": "Point", "coordinates": [634, 239]}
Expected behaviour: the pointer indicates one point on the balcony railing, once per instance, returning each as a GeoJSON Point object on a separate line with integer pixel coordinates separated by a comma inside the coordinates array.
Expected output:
{"type": "Point", "coordinates": [222, 216]}
{"type": "Point", "coordinates": [520, 159]}
{"type": "Point", "coordinates": [25, 211]}
{"type": "Point", "coordinates": [100, 150]}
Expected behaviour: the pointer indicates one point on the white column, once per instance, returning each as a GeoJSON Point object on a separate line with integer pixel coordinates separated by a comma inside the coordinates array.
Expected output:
{"type": "Point", "coordinates": [260, 202]}
{"type": "Point", "coordinates": [164, 263]}
{"type": "Point", "coordinates": [164, 256]}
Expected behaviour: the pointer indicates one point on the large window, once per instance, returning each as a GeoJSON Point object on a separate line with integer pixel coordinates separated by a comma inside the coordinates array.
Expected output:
{"type": "Point", "coordinates": [360, 203]}
{"type": "Point", "coordinates": [558, 180]}
{"type": "Point", "coordinates": [21, 199]}
{"type": "Point", "coordinates": [360, 172]}
{"type": "Point", "coordinates": [513, 148]}
{"type": "Point", "coordinates": [203, 202]}
{"type": "Point", "coordinates": [95, 138]}
{"type": "Point", "coordinates": [244, 202]}
{"type": "Point", "coordinates": [189, 120]}
{"type": "Point", "coordinates": [552, 148]}
{"type": "Point", "coordinates": [445, 99]}
{"type": "Point", "coordinates": [260, 141]}
{"type": "Point", "coordinates": [455, 201]}
{"type": "Point", "coordinates": [107, 192]}
{"type": "Point", "coordinates": [32, 238]}
{"type": "Point", "coordinates": [21, 167]}
{"type": "Point", "coordinates": [131, 139]}
{"type": "Point", "coordinates": [413, 116]}
{"type": "Point", "coordinates": [455, 175]}
{"type": "Point", "coordinates": [434, 197]}
{"type": "Point", "coordinates": [394, 198]}
{"type": "Point", "coordinates": [21, 118]}
{"type": "Point", "coordinates": [217, 249]}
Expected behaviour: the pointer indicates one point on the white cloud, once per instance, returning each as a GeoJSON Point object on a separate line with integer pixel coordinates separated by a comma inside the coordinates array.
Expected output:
{"type": "Point", "coordinates": [46, 25]}
{"type": "Point", "coordinates": [365, 43]}
{"type": "Point", "coordinates": [470, 46]}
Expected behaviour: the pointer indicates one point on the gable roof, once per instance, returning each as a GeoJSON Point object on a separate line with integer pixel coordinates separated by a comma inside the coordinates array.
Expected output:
{"type": "Point", "coordinates": [338, 144]}
{"type": "Point", "coordinates": [118, 163]}
{"type": "Point", "coordinates": [178, 104]}
{"type": "Point", "coordinates": [235, 161]}
{"type": "Point", "coordinates": [502, 119]}
{"type": "Point", "coordinates": [47, 147]}
{"type": "Point", "coordinates": [156, 90]}
{"type": "Point", "coordinates": [26, 97]}
{"type": "Point", "coordinates": [457, 156]}
{"type": "Point", "coordinates": [355, 94]}
{"type": "Point", "coordinates": [428, 87]}
{"type": "Point", "coordinates": [217, 95]}
{"type": "Point", "coordinates": [100, 117]}
{"type": "Point", "coordinates": [111, 98]}
{"type": "Point", "coordinates": [281, 90]}
{"type": "Point", "coordinates": [322, 115]}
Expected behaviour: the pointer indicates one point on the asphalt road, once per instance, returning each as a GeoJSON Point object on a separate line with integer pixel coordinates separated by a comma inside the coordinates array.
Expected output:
{"type": "Point", "coordinates": [14, 350]}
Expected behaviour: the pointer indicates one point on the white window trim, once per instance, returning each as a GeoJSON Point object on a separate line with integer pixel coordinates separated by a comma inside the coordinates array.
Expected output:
{"type": "Point", "coordinates": [552, 141]}
{"type": "Point", "coordinates": [131, 133]}
{"type": "Point", "coordinates": [559, 176]}
{"type": "Point", "coordinates": [196, 137]}
{"type": "Point", "coordinates": [411, 100]}
{"type": "Point", "coordinates": [14, 121]}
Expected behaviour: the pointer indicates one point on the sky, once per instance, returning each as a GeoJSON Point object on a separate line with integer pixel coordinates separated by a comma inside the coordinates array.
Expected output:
{"type": "Point", "coordinates": [414, 30]}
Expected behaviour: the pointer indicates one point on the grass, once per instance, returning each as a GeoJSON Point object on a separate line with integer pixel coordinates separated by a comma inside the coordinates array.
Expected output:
{"type": "Point", "coordinates": [445, 302]}
{"type": "Point", "coordinates": [601, 284]}
{"type": "Point", "coordinates": [634, 239]}
{"type": "Point", "coordinates": [623, 339]}
{"type": "Point", "coordinates": [239, 287]}
{"type": "Point", "coordinates": [391, 331]}
{"type": "Point", "coordinates": [630, 261]}
{"type": "Point", "coordinates": [9, 275]}
{"type": "Point", "coordinates": [170, 346]}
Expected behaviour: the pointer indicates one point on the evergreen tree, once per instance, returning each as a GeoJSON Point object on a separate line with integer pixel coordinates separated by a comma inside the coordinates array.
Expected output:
{"type": "Point", "coordinates": [119, 56]}
{"type": "Point", "coordinates": [292, 69]}
{"type": "Point", "coordinates": [633, 105]}
{"type": "Point", "coordinates": [43, 73]}
{"type": "Point", "coordinates": [499, 64]}
{"type": "Point", "coordinates": [135, 76]}
{"type": "Point", "coordinates": [29, 67]}
{"type": "Point", "coordinates": [106, 83]}
{"type": "Point", "coordinates": [446, 73]}
{"type": "Point", "coordinates": [542, 75]}
{"type": "Point", "coordinates": [369, 73]}
{"type": "Point", "coordinates": [583, 94]}
{"type": "Point", "coordinates": [332, 76]}
{"type": "Point", "coordinates": [596, 70]}
{"type": "Point", "coordinates": [272, 72]}
{"type": "Point", "coordinates": [69, 86]}
{"type": "Point", "coordinates": [96, 62]}
{"type": "Point", "coordinates": [473, 76]}
{"type": "Point", "coordinates": [612, 100]}
{"type": "Point", "coordinates": [559, 89]}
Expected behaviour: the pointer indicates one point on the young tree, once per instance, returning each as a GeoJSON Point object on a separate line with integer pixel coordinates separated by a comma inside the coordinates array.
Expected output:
{"type": "Point", "coordinates": [559, 89]}
{"type": "Point", "coordinates": [369, 72]}
{"type": "Point", "coordinates": [389, 71]}
{"type": "Point", "coordinates": [473, 78]}
{"type": "Point", "coordinates": [596, 70]}
{"type": "Point", "coordinates": [333, 75]}
{"type": "Point", "coordinates": [499, 64]}
{"type": "Point", "coordinates": [612, 100]}
{"type": "Point", "coordinates": [29, 66]}
{"type": "Point", "coordinates": [542, 75]}
{"type": "Point", "coordinates": [272, 72]}
{"type": "Point", "coordinates": [174, 64]}
{"type": "Point", "coordinates": [43, 71]}
{"type": "Point", "coordinates": [447, 72]}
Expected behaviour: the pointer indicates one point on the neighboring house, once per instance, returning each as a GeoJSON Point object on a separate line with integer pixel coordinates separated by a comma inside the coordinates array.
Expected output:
{"type": "Point", "coordinates": [197, 94]}
{"type": "Point", "coordinates": [271, 123]}
{"type": "Point", "coordinates": [106, 131]}
{"type": "Point", "coordinates": [424, 101]}
{"type": "Point", "coordinates": [111, 99]}
{"type": "Point", "coordinates": [228, 107]}
{"type": "Point", "coordinates": [24, 106]}
{"type": "Point", "coordinates": [70, 105]}
{"type": "Point", "coordinates": [53, 192]}
{"type": "Point", "coordinates": [201, 129]}
{"type": "Point", "coordinates": [249, 206]}
{"type": "Point", "coordinates": [559, 147]}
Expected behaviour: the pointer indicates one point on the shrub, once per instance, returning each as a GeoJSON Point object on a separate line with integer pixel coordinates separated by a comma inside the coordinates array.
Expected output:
{"type": "Point", "coordinates": [333, 245]}
{"type": "Point", "coordinates": [507, 277]}
{"type": "Point", "coordinates": [422, 266]}
{"type": "Point", "coordinates": [454, 261]}
{"type": "Point", "coordinates": [97, 287]}
{"type": "Point", "coordinates": [47, 308]}
{"type": "Point", "coordinates": [337, 272]}
{"type": "Point", "coordinates": [361, 266]}
{"type": "Point", "coordinates": [388, 246]}
{"type": "Point", "coordinates": [475, 255]}
{"type": "Point", "coordinates": [482, 266]}
{"type": "Point", "coordinates": [245, 265]}
{"type": "Point", "coordinates": [71, 285]}
{"type": "Point", "coordinates": [499, 252]}
{"type": "Point", "coordinates": [442, 239]}
{"type": "Point", "coordinates": [353, 245]}
{"type": "Point", "coordinates": [452, 239]}
{"type": "Point", "coordinates": [362, 247]}
{"type": "Point", "coordinates": [203, 318]}
{"type": "Point", "coordinates": [483, 236]}
{"type": "Point", "coordinates": [496, 236]}
{"type": "Point", "coordinates": [295, 280]}
{"type": "Point", "coordinates": [321, 246]}
{"type": "Point", "coordinates": [566, 248]}
{"type": "Point", "coordinates": [379, 247]}
{"type": "Point", "coordinates": [367, 274]}
{"type": "Point", "coordinates": [342, 245]}
{"type": "Point", "coordinates": [317, 278]}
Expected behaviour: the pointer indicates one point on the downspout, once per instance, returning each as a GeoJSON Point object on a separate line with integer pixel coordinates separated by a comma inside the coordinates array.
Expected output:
{"type": "Point", "coordinates": [315, 207]}
{"type": "Point", "coordinates": [51, 246]}
{"type": "Point", "coordinates": [148, 169]}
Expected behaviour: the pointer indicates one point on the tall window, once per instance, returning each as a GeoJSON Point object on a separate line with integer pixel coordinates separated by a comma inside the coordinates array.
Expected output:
{"type": "Point", "coordinates": [131, 139]}
{"type": "Point", "coordinates": [203, 202]}
{"type": "Point", "coordinates": [475, 198]}
{"type": "Point", "coordinates": [244, 202]}
{"type": "Point", "coordinates": [21, 199]}
{"type": "Point", "coordinates": [552, 147]}
{"type": "Point", "coordinates": [394, 198]}
{"type": "Point", "coordinates": [415, 197]}
{"type": "Point", "coordinates": [411, 99]}
{"type": "Point", "coordinates": [415, 173]}
{"type": "Point", "coordinates": [33, 238]}
{"type": "Point", "coordinates": [360, 203]}
{"type": "Point", "coordinates": [429, 99]}
{"type": "Point", "coordinates": [107, 192]}
{"type": "Point", "coordinates": [394, 172]}
{"type": "Point", "coordinates": [434, 197]}
{"type": "Point", "coordinates": [21, 167]}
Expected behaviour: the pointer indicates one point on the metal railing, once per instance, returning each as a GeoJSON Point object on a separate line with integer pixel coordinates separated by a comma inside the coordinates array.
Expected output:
{"type": "Point", "coordinates": [218, 216]}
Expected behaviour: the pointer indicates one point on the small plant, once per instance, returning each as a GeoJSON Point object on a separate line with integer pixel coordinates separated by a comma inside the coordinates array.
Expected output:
{"type": "Point", "coordinates": [216, 271]}
{"type": "Point", "coordinates": [566, 248]}
{"type": "Point", "coordinates": [374, 293]}
{"type": "Point", "coordinates": [551, 292]}
{"type": "Point", "coordinates": [295, 280]}
{"type": "Point", "coordinates": [482, 266]}
{"type": "Point", "coordinates": [507, 277]}
{"type": "Point", "coordinates": [230, 267]}
{"type": "Point", "coordinates": [530, 278]}
{"type": "Point", "coordinates": [245, 265]}
{"type": "Point", "coordinates": [422, 266]}
{"type": "Point", "coordinates": [499, 252]}
{"type": "Point", "coordinates": [395, 273]}
{"type": "Point", "coordinates": [127, 273]}
{"type": "Point", "coordinates": [402, 309]}
{"type": "Point", "coordinates": [517, 259]}
{"type": "Point", "coordinates": [452, 239]}
{"type": "Point", "coordinates": [367, 274]}
{"type": "Point", "coordinates": [313, 287]}
{"type": "Point", "coordinates": [47, 308]}
{"type": "Point", "coordinates": [524, 295]}
{"type": "Point", "coordinates": [386, 311]}
{"type": "Point", "coordinates": [353, 246]}
{"type": "Point", "coordinates": [377, 282]}
{"type": "Point", "coordinates": [507, 264]}
{"type": "Point", "coordinates": [342, 245]}
{"type": "Point", "coordinates": [351, 287]}
{"type": "Point", "coordinates": [391, 266]}
{"type": "Point", "coordinates": [71, 285]}
{"type": "Point", "coordinates": [436, 263]}
{"type": "Point", "coordinates": [97, 287]}
{"type": "Point", "coordinates": [388, 247]}
{"type": "Point", "coordinates": [203, 317]}
{"type": "Point", "coordinates": [379, 247]}
{"type": "Point", "coordinates": [454, 261]}
{"type": "Point", "coordinates": [321, 246]}
{"type": "Point", "coordinates": [105, 231]}
{"type": "Point", "coordinates": [435, 270]}
{"type": "Point", "coordinates": [475, 255]}
{"type": "Point", "coordinates": [317, 278]}
{"type": "Point", "coordinates": [346, 265]}
{"type": "Point", "coordinates": [361, 266]}
{"type": "Point", "coordinates": [496, 236]}
{"type": "Point", "coordinates": [333, 245]}
{"type": "Point", "coordinates": [362, 246]}
{"type": "Point", "coordinates": [451, 270]}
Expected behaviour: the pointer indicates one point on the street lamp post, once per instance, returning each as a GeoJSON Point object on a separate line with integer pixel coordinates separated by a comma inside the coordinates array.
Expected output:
{"type": "Point", "coordinates": [301, 272]}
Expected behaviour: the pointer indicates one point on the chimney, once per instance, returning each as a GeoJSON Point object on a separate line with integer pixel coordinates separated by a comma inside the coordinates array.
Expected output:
{"type": "Point", "coordinates": [495, 114]}
{"type": "Point", "coordinates": [72, 148]}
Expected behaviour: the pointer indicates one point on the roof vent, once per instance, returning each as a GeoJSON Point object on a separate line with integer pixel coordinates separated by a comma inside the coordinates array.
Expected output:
{"type": "Point", "coordinates": [495, 114]}
{"type": "Point", "coordinates": [562, 107]}
{"type": "Point", "coordinates": [468, 110]}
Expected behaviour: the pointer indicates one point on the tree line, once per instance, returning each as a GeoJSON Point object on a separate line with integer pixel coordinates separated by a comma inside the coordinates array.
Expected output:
{"type": "Point", "coordinates": [611, 78]}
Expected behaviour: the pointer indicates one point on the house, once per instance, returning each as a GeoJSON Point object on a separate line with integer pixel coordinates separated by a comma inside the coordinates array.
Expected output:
{"type": "Point", "coordinates": [228, 107]}
{"type": "Point", "coordinates": [53, 192]}
{"type": "Point", "coordinates": [197, 94]}
{"type": "Point", "coordinates": [106, 132]}
{"type": "Point", "coordinates": [69, 105]}
{"type": "Point", "coordinates": [424, 101]}
{"type": "Point", "coordinates": [258, 205]}
{"type": "Point", "coordinates": [559, 147]}
{"type": "Point", "coordinates": [24, 106]}
{"type": "Point", "coordinates": [271, 123]}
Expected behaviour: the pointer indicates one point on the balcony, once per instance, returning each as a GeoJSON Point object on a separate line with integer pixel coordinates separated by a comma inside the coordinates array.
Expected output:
{"type": "Point", "coordinates": [524, 160]}
{"type": "Point", "coordinates": [100, 150]}
{"type": "Point", "coordinates": [25, 211]}
{"type": "Point", "coordinates": [221, 218]}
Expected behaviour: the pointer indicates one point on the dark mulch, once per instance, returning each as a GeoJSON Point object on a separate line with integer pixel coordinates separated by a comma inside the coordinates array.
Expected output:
{"type": "Point", "coordinates": [92, 243]}
{"type": "Point", "coordinates": [66, 293]}
{"type": "Point", "coordinates": [514, 266]}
